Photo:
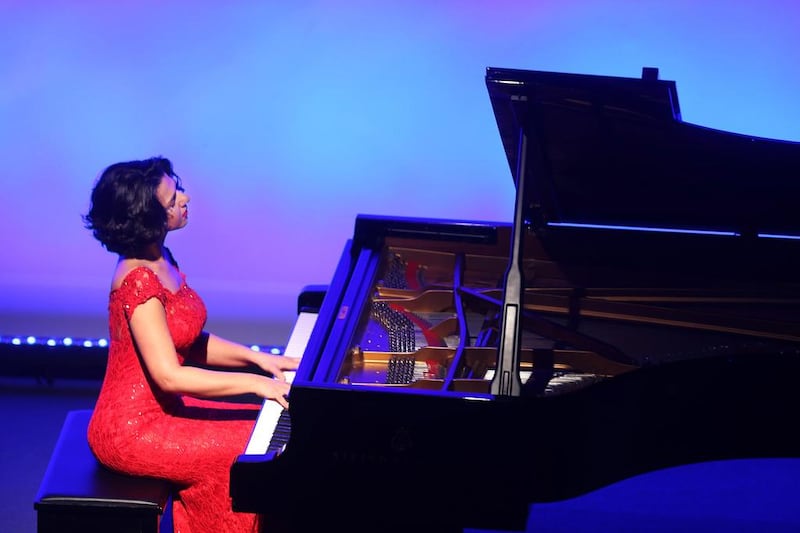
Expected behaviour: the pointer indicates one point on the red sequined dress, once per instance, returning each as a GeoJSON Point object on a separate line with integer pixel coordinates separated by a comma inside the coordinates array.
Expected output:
{"type": "Point", "coordinates": [140, 430]}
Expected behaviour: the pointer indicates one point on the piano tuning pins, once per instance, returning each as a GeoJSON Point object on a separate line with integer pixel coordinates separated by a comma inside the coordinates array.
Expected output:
{"type": "Point", "coordinates": [395, 275]}
{"type": "Point", "coordinates": [399, 327]}
{"type": "Point", "coordinates": [391, 370]}
{"type": "Point", "coordinates": [400, 370]}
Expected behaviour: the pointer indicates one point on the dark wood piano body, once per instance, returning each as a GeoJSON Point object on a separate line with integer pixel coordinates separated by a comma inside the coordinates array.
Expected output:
{"type": "Point", "coordinates": [661, 324]}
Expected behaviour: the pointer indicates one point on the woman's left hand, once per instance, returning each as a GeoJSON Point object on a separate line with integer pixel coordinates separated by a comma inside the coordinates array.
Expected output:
{"type": "Point", "coordinates": [276, 364]}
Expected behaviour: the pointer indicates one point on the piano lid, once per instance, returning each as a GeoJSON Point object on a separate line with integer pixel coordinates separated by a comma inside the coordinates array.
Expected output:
{"type": "Point", "coordinates": [614, 151]}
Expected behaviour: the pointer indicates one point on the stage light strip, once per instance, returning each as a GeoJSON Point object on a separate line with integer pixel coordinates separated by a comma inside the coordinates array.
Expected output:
{"type": "Point", "coordinates": [98, 343]}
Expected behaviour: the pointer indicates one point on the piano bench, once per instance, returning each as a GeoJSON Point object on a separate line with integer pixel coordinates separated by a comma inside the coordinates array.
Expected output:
{"type": "Point", "coordinates": [78, 494]}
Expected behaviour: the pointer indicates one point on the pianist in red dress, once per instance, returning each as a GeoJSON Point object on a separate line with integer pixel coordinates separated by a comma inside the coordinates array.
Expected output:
{"type": "Point", "coordinates": [155, 416]}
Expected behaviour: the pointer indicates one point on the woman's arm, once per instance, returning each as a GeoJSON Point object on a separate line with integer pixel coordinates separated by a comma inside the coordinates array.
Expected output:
{"type": "Point", "coordinates": [151, 334]}
{"type": "Point", "coordinates": [216, 351]}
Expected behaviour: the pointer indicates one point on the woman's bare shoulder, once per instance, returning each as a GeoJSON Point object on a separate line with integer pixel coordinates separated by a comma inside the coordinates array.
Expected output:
{"type": "Point", "coordinates": [125, 267]}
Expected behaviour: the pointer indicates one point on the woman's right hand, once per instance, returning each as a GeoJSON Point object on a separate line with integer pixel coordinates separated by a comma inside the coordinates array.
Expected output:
{"type": "Point", "coordinates": [271, 389]}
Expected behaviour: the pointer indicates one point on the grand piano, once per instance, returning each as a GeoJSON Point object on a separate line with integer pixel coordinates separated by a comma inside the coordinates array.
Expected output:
{"type": "Point", "coordinates": [641, 311]}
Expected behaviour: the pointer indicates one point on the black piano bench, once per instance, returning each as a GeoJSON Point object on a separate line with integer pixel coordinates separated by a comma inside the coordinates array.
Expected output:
{"type": "Point", "coordinates": [78, 494]}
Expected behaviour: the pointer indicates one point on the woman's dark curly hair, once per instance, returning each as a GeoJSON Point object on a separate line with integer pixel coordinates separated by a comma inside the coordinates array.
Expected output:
{"type": "Point", "coordinates": [125, 215]}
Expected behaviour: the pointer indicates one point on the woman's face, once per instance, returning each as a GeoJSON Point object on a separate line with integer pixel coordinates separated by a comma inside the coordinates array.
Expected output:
{"type": "Point", "coordinates": [174, 201]}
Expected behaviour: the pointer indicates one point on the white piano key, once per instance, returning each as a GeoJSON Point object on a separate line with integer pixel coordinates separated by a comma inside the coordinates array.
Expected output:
{"type": "Point", "coordinates": [270, 411]}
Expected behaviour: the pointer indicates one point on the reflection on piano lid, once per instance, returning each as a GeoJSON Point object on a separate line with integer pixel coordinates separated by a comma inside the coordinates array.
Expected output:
{"type": "Point", "coordinates": [637, 350]}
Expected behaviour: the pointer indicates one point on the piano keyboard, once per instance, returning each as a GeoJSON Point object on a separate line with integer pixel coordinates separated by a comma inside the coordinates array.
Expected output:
{"type": "Point", "coordinates": [271, 431]}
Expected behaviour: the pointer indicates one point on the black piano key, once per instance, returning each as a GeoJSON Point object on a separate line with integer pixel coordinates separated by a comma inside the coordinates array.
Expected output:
{"type": "Point", "coordinates": [280, 436]}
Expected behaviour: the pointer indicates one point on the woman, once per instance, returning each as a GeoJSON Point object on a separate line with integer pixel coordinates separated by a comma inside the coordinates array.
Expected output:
{"type": "Point", "coordinates": [151, 418]}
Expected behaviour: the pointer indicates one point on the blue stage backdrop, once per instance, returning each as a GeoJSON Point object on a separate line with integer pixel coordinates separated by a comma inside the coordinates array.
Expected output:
{"type": "Point", "coordinates": [286, 119]}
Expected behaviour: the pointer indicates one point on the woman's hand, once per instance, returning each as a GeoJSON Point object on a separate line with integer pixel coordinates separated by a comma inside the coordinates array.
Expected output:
{"type": "Point", "coordinates": [275, 388]}
{"type": "Point", "coordinates": [271, 389]}
{"type": "Point", "coordinates": [276, 364]}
